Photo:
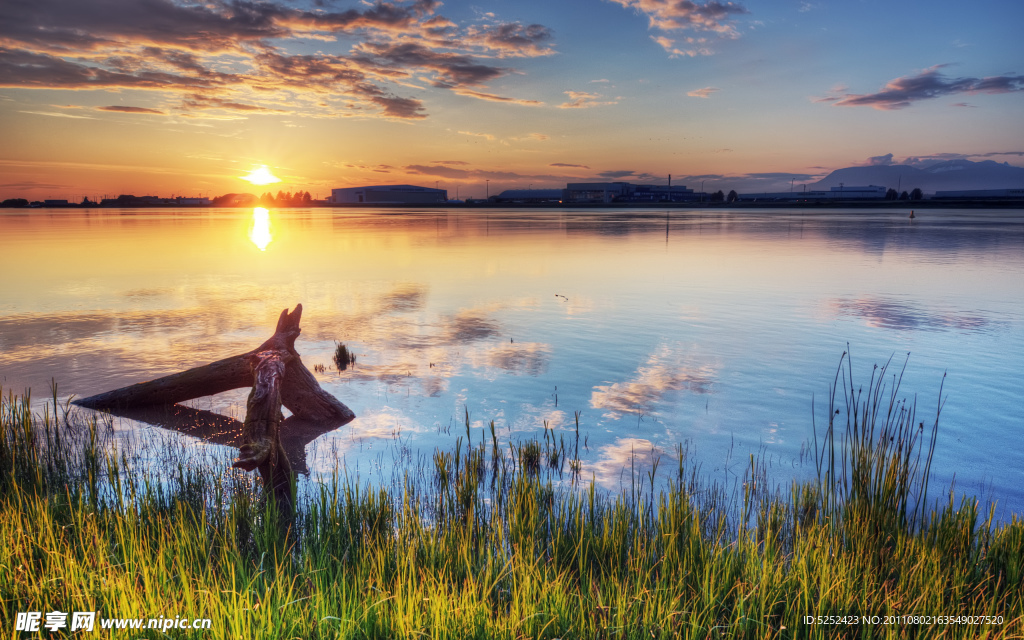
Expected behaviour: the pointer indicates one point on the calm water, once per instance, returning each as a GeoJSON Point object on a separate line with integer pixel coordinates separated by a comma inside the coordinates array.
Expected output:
{"type": "Point", "coordinates": [709, 328]}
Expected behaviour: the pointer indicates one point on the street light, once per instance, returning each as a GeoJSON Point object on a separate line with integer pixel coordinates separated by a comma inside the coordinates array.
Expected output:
{"type": "Point", "coordinates": [488, 188]}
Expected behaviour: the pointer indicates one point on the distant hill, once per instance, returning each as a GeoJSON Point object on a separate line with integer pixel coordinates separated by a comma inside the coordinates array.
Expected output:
{"type": "Point", "coordinates": [941, 176]}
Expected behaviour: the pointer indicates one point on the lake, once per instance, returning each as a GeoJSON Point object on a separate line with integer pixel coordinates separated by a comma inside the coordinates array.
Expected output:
{"type": "Point", "coordinates": [713, 329]}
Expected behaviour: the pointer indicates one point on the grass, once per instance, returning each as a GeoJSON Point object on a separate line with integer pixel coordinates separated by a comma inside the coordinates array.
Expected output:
{"type": "Point", "coordinates": [508, 541]}
{"type": "Point", "coordinates": [343, 358]}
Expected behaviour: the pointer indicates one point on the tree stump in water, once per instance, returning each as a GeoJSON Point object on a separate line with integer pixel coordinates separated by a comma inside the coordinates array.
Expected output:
{"type": "Point", "coordinates": [277, 376]}
{"type": "Point", "coordinates": [261, 433]}
{"type": "Point", "coordinates": [300, 391]}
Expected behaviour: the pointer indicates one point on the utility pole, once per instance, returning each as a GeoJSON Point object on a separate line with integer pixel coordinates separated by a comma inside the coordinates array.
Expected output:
{"type": "Point", "coordinates": [488, 186]}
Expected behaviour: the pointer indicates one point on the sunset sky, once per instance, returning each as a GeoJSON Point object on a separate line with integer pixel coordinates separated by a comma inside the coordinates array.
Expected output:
{"type": "Point", "coordinates": [162, 97]}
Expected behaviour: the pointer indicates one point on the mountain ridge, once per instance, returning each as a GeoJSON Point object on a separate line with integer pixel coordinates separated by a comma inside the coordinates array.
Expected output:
{"type": "Point", "coordinates": [947, 175]}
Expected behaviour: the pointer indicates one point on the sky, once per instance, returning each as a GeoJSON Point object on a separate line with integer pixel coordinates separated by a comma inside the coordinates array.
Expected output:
{"type": "Point", "coordinates": [169, 97]}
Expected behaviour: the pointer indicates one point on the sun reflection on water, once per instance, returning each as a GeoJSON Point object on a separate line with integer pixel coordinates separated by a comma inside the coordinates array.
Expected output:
{"type": "Point", "coordinates": [259, 233]}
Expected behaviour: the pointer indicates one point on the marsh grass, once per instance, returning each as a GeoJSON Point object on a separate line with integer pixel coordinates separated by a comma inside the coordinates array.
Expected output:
{"type": "Point", "coordinates": [343, 358]}
{"type": "Point", "coordinates": [509, 540]}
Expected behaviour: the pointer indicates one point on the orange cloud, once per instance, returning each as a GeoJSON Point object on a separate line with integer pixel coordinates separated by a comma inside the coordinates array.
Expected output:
{"type": "Point", "coordinates": [584, 100]}
{"type": "Point", "coordinates": [239, 56]}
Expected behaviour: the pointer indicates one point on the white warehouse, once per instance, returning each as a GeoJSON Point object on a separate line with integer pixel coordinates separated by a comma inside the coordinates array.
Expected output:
{"type": "Point", "coordinates": [388, 194]}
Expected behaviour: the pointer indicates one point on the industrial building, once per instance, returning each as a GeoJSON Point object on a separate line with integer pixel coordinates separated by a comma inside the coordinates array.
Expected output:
{"type": "Point", "coordinates": [529, 196]}
{"type": "Point", "coordinates": [626, 192]}
{"type": "Point", "coordinates": [193, 202]}
{"type": "Point", "coordinates": [388, 194]}
{"type": "Point", "coordinates": [980, 194]}
{"type": "Point", "coordinates": [870, 192]}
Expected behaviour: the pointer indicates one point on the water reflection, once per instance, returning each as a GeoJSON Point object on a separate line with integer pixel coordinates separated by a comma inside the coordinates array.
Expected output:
{"type": "Point", "coordinates": [665, 371]}
{"type": "Point", "coordinates": [895, 314]}
{"type": "Point", "coordinates": [296, 433]}
{"type": "Point", "coordinates": [259, 232]}
{"type": "Point", "coordinates": [623, 463]}
{"type": "Point", "coordinates": [523, 317]}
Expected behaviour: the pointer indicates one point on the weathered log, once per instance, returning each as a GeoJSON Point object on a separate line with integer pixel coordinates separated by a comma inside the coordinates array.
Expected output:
{"type": "Point", "coordinates": [261, 433]}
{"type": "Point", "coordinates": [277, 376]}
{"type": "Point", "coordinates": [300, 391]}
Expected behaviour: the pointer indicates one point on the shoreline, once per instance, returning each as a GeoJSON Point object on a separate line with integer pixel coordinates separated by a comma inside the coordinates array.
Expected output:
{"type": "Point", "coordinates": [733, 206]}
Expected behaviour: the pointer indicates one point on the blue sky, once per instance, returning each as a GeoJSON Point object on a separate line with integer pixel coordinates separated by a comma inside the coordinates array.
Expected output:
{"type": "Point", "coordinates": [104, 96]}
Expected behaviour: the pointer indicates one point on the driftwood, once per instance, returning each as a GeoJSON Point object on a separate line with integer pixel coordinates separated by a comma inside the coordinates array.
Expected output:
{"type": "Point", "coordinates": [300, 391]}
{"type": "Point", "coordinates": [277, 376]}
{"type": "Point", "coordinates": [261, 433]}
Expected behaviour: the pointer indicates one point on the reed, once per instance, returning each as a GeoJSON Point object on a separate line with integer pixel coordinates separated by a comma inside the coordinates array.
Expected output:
{"type": "Point", "coordinates": [343, 358]}
{"type": "Point", "coordinates": [504, 543]}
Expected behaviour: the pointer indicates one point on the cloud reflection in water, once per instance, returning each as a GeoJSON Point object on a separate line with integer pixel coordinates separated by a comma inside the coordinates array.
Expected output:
{"type": "Point", "coordinates": [665, 371]}
{"type": "Point", "coordinates": [893, 314]}
{"type": "Point", "coordinates": [615, 462]}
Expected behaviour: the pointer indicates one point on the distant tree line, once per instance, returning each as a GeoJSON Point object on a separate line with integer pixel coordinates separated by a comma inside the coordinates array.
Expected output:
{"type": "Point", "coordinates": [286, 199]}
{"type": "Point", "coordinates": [282, 199]}
{"type": "Point", "coordinates": [916, 194]}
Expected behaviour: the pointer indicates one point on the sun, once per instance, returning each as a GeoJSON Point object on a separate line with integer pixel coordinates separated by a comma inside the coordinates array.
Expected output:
{"type": "Point", "coordinates": [261, 175]}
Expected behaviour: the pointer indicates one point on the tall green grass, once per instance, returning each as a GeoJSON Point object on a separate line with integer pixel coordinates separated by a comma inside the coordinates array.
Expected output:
{"type": "Point", "coordinates": [507, 540]}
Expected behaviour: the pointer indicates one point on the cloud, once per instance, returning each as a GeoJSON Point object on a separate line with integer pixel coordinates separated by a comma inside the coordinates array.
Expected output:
{"type": "Point", "coordinates": [612, 175]}
{"type": "Point", "coordinates": [684, 15]}
{"type": "Point", "coordinates": [628, 173]}
{"type": "Point", "coordinates": [56, 114]}
{"type": "Point", "coordinates": [572, 166]}
{"type": "Point", "coordinates": [747, 182]}
{"type": "Point", "coordinates": [453, 173]}
{"type": "Point", "coordinates": [495, 98]}
{"type": "Point", "coordinates": [450, 69]}
{"type": "Point", "coordinates": [930, 83]}
{"type": "Point", "coordinates": [513, 39]}
{"type": "Point", "coordinates": [208, 102]}
{"type": "Point", "coordinates": [243, 55]}
{"type": "Point", "coordinates": [394, 107]}
{"type": "Point", "coordinates": [486, 136]}
{"type": "Point", "coordinates": [930, 159]}
{"type": "Point", "coordinates": [997, 153]}
{"type": "Point", "coordinates": [450, 162]}
{"type": "Point", "coordinates": [31, 185]}
{"type": "Point", "coordinates": [702, 93]}
{"type": "Point", "coordinates": [880, 161]}
{"type": "Point", "coordinates": [584, 100]}
{"type": "Point", "coordinates": [698, 47]}
{"type": "Point", "coordinates": [123, 109]}
{"type": "Point", "coordinates": [780, 175]}
{"type": "Point", "coordinates": [668, 15]}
